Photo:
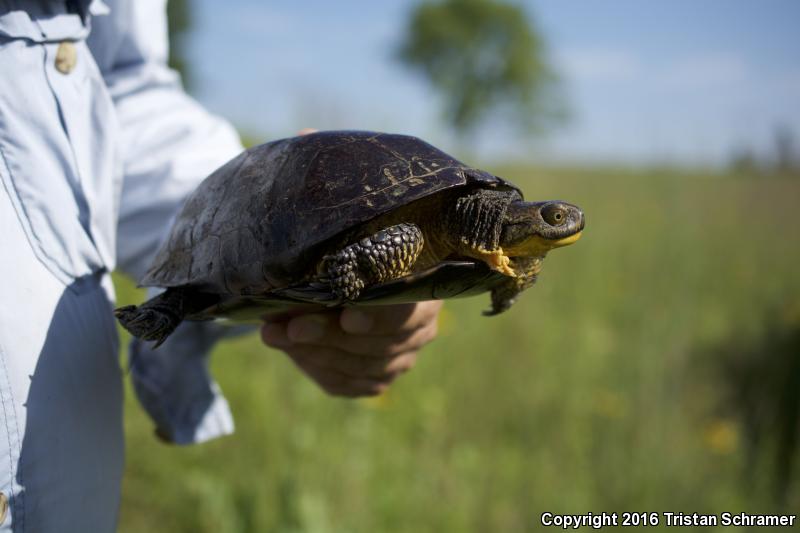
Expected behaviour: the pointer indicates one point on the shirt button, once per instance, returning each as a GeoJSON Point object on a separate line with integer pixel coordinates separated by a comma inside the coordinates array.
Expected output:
{"type": "Point", "coordinates": [3, 507]}
{"type": "Point", "coordinates": [66, 57]}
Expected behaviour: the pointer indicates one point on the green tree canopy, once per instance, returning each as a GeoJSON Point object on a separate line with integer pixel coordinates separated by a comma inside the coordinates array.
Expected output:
{"type": "Point", "coordinates": [179, 26]}
{"type": "Point", "coordinates": [485, 57]}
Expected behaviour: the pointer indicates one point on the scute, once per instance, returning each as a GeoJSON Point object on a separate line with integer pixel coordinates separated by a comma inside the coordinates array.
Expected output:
{"type": "Point", "coordinates": [258, 221]}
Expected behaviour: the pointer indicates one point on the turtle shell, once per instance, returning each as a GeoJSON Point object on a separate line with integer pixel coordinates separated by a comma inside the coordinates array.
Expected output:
{"type": "Point", "coordinates": [259, 221]}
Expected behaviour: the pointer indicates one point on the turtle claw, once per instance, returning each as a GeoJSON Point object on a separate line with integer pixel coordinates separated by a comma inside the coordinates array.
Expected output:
{"type": "Point", "coordinates": [498, 307]}
{"type": "Point", "coordinates": [495, 312]}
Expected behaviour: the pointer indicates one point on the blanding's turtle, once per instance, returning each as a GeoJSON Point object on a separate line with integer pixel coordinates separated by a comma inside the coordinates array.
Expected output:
{"type": "Point", "coordinates": [346, 218]}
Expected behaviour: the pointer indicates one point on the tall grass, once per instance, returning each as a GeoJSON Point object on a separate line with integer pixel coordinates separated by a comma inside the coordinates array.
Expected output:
{"type": "Point", "coordinates": [592, 394]}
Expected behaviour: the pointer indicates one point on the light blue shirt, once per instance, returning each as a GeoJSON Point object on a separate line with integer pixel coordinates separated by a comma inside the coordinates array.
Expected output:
{"type": "Point", "coordinates": [98, 156]}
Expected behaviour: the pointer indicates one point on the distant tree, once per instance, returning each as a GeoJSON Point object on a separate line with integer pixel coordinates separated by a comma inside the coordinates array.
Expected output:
{"type": "Point", "coordinates": [485, 57]}
{"type": "Point", "coordinates": [744, 162]}
{"type": "Point", "coordinates": [179, 23]}
{"type": "Point", "coordinates": [786, 157]}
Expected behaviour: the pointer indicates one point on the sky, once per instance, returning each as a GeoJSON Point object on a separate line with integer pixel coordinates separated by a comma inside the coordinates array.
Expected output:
{"type": "Point", "coordinates": [683, 82]}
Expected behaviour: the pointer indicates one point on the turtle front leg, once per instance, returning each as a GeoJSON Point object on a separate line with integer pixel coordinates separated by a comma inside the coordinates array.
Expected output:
{"type": "Point", "coordinates": [386, 255]}
{"type": "Point", "coordinates": [505, 294]}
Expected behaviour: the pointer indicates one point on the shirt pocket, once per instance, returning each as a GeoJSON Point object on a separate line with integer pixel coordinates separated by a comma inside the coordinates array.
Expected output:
{"type": "Point", "coordinates": [57, 155]}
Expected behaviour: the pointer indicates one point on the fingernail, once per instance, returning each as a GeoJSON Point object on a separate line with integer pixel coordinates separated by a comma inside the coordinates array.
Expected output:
{"type": "Point", "coordinates": [275, 335]}
{"type": "Point", "coordinates": [307, 328]}
{"type": "Point", "coordinates": [355, 321]}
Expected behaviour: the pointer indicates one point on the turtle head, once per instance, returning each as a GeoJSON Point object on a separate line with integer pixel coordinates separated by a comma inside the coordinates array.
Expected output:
{"type": "Point", "coordinates": [534, 228]}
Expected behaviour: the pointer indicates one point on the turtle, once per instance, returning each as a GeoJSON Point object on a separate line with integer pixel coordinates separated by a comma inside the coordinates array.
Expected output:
{"type": "Point", "coordinates": [338, 218]}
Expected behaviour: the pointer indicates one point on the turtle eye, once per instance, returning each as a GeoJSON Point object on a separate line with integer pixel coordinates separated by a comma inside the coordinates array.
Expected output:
{"type": "Point", "coordinates": [554, 215]}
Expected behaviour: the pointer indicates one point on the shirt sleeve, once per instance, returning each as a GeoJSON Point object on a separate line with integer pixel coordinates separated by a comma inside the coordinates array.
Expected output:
{"type": "Point", "coordinates": [168, 143]}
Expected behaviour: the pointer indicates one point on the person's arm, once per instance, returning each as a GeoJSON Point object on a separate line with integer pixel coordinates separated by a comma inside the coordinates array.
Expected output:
{"type": "Point", "coordinates": [168, 143]}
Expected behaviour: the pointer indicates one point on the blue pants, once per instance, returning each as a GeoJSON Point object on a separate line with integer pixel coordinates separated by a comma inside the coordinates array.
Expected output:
{"type": "Point", "coordinates": [61, 441]}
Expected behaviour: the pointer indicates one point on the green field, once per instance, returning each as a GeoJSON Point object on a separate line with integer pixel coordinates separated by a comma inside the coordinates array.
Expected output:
{"type": "Point", "coordinates": [603, 390]}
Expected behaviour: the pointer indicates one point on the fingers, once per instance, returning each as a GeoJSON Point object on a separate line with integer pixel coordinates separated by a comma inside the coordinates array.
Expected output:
{"type": "Point", "coordinates": [337, 372]}
{"type": "Point", "coordinates": [389, 319]}
{"type": "Point", "coordinates": [353, 366]}
{"type": "Point", "coordinates": [324, 330]}
{"type": "Point", "coordinates": [317, 364]}
{"type": "Point", "coordinates": [356, 354]}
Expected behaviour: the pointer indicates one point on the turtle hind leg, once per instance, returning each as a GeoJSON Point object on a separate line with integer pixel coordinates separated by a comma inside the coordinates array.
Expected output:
{"type": "Point", "coordinates": [386, 255]}
{"type": "Point", "coordinates": [147, 323]}
{"type": "Point", "coordinates": [157, 318]}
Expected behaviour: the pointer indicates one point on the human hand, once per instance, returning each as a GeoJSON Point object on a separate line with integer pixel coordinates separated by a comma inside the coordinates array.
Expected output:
{"type": "Point", "coordinates": [356, 351]}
